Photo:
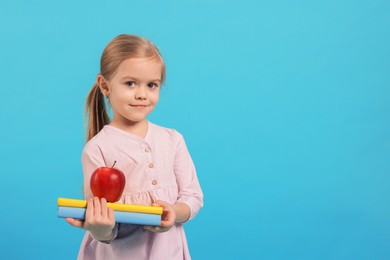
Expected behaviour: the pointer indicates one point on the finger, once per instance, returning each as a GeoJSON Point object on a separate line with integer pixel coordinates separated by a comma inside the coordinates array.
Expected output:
{"type": "Point", "coordinates": [168, 217]}
{"type": "Point", "coordinates": [147, 228]}
{"type": "Point", "coordinates": [153, 229]}
{"type": "Point", "coordinates": [75, 223]}
{"type": "Point", "coordinates": [110, 214]}
{"type": "Point", "coordinates": [104, 211]}
{"type": "Point", "coordinates": [90, 209]}
{"type": "Point", "coordinates": [156, 229]}
{"type": "Point", "coordinates": [167, 221]}
{"type": "Point", "coordinates": [96, 203]}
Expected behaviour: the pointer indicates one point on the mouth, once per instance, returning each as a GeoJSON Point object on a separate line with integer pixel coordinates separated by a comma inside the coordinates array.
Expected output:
{"type": "Point", "coordinates": [139, 106]}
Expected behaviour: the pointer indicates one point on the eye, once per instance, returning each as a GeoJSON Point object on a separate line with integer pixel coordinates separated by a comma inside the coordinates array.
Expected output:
{"type": "Point", "coordinates": [130, 83]}
{"type": "Point", "coordinates": [153, 85]}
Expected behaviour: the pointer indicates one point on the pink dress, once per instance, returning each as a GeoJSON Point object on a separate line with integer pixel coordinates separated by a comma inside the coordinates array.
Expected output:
{"type": "Point", "coordinates": [158, 167]}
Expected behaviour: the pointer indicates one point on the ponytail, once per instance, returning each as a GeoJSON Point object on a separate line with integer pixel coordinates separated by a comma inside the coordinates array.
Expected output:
{"type": "Point", "coordinates": [96, 114]}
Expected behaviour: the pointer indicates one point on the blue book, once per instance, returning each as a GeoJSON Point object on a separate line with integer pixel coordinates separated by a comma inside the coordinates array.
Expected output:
{"type": "Point", "coordinates": [120, 216]}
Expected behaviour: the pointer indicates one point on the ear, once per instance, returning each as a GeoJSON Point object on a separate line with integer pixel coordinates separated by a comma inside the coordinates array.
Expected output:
{"type": "Point", "coordinates": [103, 85]}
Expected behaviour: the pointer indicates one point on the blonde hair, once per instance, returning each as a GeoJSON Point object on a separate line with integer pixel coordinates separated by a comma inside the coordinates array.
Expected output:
{"type": "Point", "coordinates": [120, 48]}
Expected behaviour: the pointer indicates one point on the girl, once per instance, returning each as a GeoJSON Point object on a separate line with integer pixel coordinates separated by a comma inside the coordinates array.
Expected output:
{"type": "Point", "coordinates": [155, 160]}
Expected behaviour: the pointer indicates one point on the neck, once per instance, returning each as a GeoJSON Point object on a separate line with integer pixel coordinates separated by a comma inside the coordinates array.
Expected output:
{"type": "Point", "coordinates": [136, 128]}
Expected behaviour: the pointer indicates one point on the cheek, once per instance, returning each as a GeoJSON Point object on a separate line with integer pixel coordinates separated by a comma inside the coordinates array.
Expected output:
{"type": "Point", "coordinates": [118, 100]}
{"type": "Point", "coordinates": [155, 97]}
{"type": "Point", "coordinates": [155, 100]}
{"type": "Point", "coordinates": [122, 95]}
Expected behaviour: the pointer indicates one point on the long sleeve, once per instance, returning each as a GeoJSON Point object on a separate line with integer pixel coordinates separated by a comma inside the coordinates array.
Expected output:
{"type": "Point", "coordinates": [190, 191]}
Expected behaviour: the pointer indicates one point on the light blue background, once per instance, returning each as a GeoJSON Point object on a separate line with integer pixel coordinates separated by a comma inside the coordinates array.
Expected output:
{"type": "Point", "coordinates": [284, 106]}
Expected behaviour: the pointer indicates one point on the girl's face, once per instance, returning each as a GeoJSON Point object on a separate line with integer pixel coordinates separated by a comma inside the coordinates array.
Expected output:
{"type": "Point", "coordinates": [133, 91]}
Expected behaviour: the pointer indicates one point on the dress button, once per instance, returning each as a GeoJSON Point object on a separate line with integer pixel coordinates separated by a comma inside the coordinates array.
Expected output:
{"type": "Point", "coordinates": [151, 165]}
{"type": "Point", "coordinates": [147, 149]}
{"type": "Point", "coordinates": [154, 182]}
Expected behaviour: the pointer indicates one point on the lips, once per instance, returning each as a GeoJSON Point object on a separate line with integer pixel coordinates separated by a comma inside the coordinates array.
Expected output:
{"type": "Point", "coordinates": [139, 105]}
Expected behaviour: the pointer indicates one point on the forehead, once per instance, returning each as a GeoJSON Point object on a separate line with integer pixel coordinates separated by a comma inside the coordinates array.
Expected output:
{"type": "Point", "coordinates": [145, 68]}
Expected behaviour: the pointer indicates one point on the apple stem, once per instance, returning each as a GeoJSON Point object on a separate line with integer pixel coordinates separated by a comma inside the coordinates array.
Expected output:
{"type": "Point", "coordinates": [113, 164]}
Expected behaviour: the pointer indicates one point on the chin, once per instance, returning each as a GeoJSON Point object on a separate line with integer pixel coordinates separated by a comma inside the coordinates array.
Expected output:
{"type": "Point", "coordinates": [136, 120]}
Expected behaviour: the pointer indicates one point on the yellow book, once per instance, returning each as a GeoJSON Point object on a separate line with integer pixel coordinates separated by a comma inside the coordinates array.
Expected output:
{"type": "Point", "coordinates": [63, 202]}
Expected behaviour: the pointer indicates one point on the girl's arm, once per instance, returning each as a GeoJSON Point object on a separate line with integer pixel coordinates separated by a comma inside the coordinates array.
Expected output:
{"type": "Point", "coordinates": [190, 197]}
{"type": "Point", "coordinates": [190, 192]}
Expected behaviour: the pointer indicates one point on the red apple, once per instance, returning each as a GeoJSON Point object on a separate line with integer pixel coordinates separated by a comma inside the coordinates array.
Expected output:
{"type": "Point", "coordinates": [108, 183]}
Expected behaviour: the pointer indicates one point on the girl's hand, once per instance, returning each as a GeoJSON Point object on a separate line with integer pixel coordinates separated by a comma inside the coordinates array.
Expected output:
{"type": "Point", "coordinates": [167, 219]}
{"type": "Point", "coordinates": [99, 220]}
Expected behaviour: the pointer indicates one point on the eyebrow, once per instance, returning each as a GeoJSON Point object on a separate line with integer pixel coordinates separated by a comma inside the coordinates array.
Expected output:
{"type": "Point", "coordinates": [134, 78]}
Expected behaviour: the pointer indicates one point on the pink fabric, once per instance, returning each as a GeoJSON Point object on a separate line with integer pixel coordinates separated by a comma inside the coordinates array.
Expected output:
{"type": "Point", "coordinates": [157, 167]}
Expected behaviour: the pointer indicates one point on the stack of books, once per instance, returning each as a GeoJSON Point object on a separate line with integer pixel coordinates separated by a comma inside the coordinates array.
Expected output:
{"type": "Point", "coordinates": [124, 213]}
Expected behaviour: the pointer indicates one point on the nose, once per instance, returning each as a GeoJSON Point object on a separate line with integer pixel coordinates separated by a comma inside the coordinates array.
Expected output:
{"type": "Point", "coordinates": [141, 93]}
